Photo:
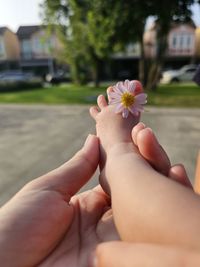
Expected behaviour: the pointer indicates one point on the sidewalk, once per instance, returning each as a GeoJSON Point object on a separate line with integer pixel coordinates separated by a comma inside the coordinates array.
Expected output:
{"type": "Point", "coordinates": [36, 139]}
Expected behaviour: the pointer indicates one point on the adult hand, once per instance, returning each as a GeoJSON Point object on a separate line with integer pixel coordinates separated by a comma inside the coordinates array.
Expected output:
{"type": "Point", "coordinates": [150, 149]}
{"type": "Point", "coordinates": [122, 254]}
{"type": "Point", "coordinates": [46, 225]}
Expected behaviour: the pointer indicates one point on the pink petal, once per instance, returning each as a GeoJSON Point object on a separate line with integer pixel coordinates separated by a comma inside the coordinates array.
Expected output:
{"type": "Point", "coordinates": [138, 107]}
{"type": "Point", "coordinates": [125, 113]}
{"type": "Point", "coordinates": [114, 101]}
{"type": "Point", "coordinates": [141, 99]}
{"type": "Point", "coordinates": [119, 108]}
{"type": "Point", "coordinates": [126, 84]}
{"type": "Point", "coordinates": [134, 110]}
{"type": "Point", "coordinates": [116, 90]}
{"type": "Point", "coordinates": [120, 87]}
{"type": "Point", "coordinates": [114, 95]}
{"type": "Point", "coordinates": [132, 87]}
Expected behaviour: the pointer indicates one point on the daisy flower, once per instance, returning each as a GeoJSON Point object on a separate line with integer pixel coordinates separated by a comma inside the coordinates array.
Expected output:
{"type": "Point", "coordinates": [126, 98]}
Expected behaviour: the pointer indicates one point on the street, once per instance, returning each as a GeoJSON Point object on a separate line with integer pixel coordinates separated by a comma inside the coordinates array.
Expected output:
{"type": "Point", "coordinates": [35, 139]}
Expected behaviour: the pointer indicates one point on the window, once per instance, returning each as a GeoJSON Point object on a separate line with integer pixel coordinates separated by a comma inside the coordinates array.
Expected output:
{"type": "Point", "coordinates": [174, 41]}
{"type": "Point", "coordinates": [49, 45]}
{"type": "Point", "coordinates": [191, 70]}
{"type": "Point", "coordinates": [26, 49]}
{"type": "Point", "coordinates": [189, 39]}
{"type": "Point", "coordinates": [52, 42]}
{"type": "Point", "coordinates": [186, 41]}
{"type": "Point", "coordinates": [38, 45]}
{"type": "Point", "coordinates": [182, 41]}
{"type": "Point", "coordinates": [2, 48]}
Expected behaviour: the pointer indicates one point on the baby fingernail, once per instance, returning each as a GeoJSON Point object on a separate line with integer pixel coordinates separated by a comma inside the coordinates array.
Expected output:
{"type": "Point", "coordinates": [142, 124]}
{"type": "Point", "coordinates": [149, 129]}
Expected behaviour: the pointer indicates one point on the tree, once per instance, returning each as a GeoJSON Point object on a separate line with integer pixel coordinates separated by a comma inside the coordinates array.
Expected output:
{"type": "Point", "coordinates": [175, 12]}
{"type": "Point", "coordinates": [86, 30]}
{"type": "Point", "coordinates": [133, 17]}
{"type": "Point", "coordinates": [114, 24]}
{"type": "Point", "coordinates": [92, 30]}
{"type": "Point", "coordinates": [66, 17]}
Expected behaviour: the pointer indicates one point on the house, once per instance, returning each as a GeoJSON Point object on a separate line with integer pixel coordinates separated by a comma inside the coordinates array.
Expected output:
{"type": "Point", "coordinates": [181, 40]}
{"type": "Point", "coordinates": [197, 42]}
{"type": "Point", "coordinates": [9, 48]}
{"type": "Point", "coordinates": [181, 44]}
{"type": "Point", "coordinates": [39, 50]}
{"type": "Point", "coordinates": [35, 42]}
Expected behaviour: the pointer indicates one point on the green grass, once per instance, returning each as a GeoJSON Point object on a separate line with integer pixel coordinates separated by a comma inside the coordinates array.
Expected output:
{"type": "Point", "coordinates": [174, 95]}
{"type": "Point", "coordinates": [63, 94]}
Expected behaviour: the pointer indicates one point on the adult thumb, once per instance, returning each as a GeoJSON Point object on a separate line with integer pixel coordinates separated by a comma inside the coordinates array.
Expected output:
{"type": "Point", "coordinates": [71, 176]}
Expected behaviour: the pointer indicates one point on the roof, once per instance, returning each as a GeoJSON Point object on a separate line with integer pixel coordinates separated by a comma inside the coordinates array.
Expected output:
{"type": "Point", "coordinates": [173, 24]}
{"type": "Point", "coordinates": [188, 23]}
{"type": "Point", "coordinates": [27, 31]}
{"type": "Point", "coordinates": [2, 30]}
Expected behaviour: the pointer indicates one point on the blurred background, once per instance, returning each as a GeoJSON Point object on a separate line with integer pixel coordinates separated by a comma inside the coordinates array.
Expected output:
{"type": "Point", "coordinates": [56, 56]}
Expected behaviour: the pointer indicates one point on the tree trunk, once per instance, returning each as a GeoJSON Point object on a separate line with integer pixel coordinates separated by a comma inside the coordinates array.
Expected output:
{"type": "Point", "coordinates": [154, 76]}
{"type": "Point", "coordinates": [142, 65]}
{"type": "Point", "coordinates": [95, 71]}
{"type": "Point", "coordinates": [97, 80]}
{"type": "Point", "coordinates": [142, 60]}
{"type": "Point", "coordinates": [156, 67]}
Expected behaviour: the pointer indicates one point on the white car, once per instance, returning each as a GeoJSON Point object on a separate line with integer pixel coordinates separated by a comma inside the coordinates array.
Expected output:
{"type": "Point", "coordinates": [185, 74]}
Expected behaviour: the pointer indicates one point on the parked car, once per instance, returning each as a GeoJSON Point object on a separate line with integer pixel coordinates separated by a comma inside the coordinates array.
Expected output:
{"type": "Point", "coordinates": [185, 74]}
{"type": "Point", "coordinates": [58, 77]}
{"type": "Point", "coordinates": [15, 78]}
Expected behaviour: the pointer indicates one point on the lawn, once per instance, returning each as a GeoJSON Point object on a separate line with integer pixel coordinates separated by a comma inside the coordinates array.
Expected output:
{"type": "Point", "coordinates": [176, 95]}
{"type": "Point", "coordinates": [173, 95]}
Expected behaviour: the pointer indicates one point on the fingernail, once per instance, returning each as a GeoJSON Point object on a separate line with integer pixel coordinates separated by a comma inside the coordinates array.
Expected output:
{"type": "Point", "coordinates": [142, 124]}
{"type": "Point", "coordinates": [149, 129]}
{"type": "Point", "coordinates": [93, 260]}
{"type": "Point", "coordinates": [88, 140]}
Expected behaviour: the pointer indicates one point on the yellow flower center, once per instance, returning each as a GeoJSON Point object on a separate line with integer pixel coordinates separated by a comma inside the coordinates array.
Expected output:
{"type": "Point", "coordinates": [127, 100]}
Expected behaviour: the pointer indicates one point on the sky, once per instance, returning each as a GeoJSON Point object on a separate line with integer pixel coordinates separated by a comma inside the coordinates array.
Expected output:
{"type": "Point", "coordinates": [14, 13]}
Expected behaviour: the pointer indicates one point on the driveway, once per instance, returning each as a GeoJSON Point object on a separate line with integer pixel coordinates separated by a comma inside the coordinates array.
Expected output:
{"type": "Point", "coordinates": [35, 139]}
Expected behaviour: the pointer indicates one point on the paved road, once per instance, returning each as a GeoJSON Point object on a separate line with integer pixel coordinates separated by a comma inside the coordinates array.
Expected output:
{"type": "Point", "coordinates": [35, 139]}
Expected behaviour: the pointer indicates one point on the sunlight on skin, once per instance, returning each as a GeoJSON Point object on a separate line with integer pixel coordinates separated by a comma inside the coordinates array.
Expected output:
{"type": "Point", "coordinates": [197, 176]}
